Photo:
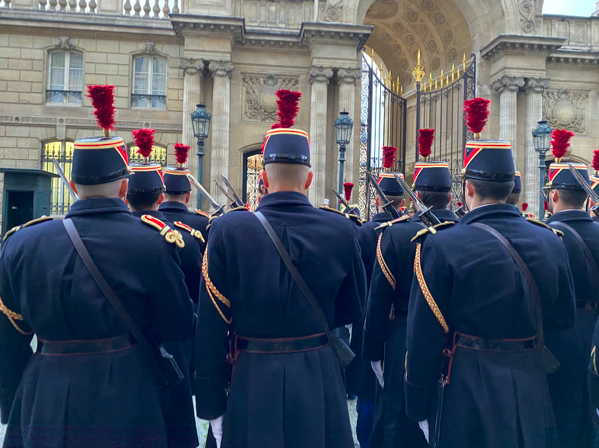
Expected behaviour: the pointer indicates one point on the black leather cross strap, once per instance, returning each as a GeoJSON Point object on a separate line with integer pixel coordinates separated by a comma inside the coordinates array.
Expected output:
{"type": "Point", "coordinates": [113, 299]}
{"type": "Point", "coordinates": [287, 345]}
{"type": "Point", "coordinates": [581, 242]}
{"type": "Point", "coordinates": [343, 352]}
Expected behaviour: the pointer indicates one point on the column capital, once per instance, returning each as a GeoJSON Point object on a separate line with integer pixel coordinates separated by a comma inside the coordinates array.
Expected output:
{"type": "Point", "coordinates": [319, 74]}
{"type": "Point", "coordinates": [349, 75]}
{"type": "Point", "coordinates": [221, 68]}
{"type": "Point", "coordinates": [536, 85]}
{"type": "Point", "coordinates": [509, 83]}
{"type": "Point", "coordinates": [191, 66]}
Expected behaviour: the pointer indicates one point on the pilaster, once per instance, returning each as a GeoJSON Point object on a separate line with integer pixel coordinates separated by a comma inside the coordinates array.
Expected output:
{"type": "Point", "coordinates": [348, 78]}
{"type": "Point", "coordinates": [508, 87]}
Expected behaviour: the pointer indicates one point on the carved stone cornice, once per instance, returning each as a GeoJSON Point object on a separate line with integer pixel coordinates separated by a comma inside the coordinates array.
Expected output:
{"type": "Point", "coordinates": [509, 83]}
{"type": "Point", "coordinates": [536, 85]}
{"type": "Point", "coordinates": [221, 68]}
{"type": "Point", "coordinates": [319, 74]}
{"type": "Point", "coordinates": [191, 66]}
{"type": "Point", "coordinates": [349, 75]}
{"type": "Point", "coordinates": [518, 44]}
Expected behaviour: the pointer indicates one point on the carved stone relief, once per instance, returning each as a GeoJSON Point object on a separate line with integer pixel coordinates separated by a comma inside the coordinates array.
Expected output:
{"type": "Point", "coordinates": [191, 66]}
{"type": "Point", "coordinates": [530, 16]}
{"type": "Point", "coordinates": [564, 109]}
{"type": "Point", "coordinates": [149, 48]}
{"type": "Point", "coordinates": [331, 10]}
{"type": "Point", "coordinates": [260, 98]}
{"type": "Point", "coordinates": [65, 43]}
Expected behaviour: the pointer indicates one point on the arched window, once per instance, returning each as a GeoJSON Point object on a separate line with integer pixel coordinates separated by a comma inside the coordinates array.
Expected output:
{"type": "Point", "coordinates": [158, 155]}
{"type": "Point", "coordinates": [65, 77]}
{"type": "Point", "coordinates": [149, 82]}
{"type": "Point", "coordinates": [62, 152]}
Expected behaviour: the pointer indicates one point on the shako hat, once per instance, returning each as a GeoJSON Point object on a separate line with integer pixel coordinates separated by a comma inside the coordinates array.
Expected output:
{"type": "Point", "coordinates": [99, 160]}
{"type": "Point", "coordinates": [347, 191]}
{"type": "Point", "coordinates": [387, 181]}
{"type": "Point", "coordinates": [430, 176]}
{"type": "Point", "coordinates": [517, 183]}
{"type": "Point", "coordinates": [488, 160]}
{"type": "Point", "coordinates": [595, 179]}
{"type": "Point", "coordinates": [560, 177]}
{"type": "Point", "coordinates": [283, 144]}
{"type": "Point", "coordinates": [175, 178]}
{"type": "Point", "coordinates": [147, 177]}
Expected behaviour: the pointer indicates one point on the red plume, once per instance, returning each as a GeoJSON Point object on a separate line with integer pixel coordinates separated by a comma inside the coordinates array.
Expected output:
{"type": "Point", "coordinates": [477, 114]}
{"type": "Point", "coordinates": [545, 205]}
{"type": "Point", "coordinates": [347, 188]}
{"type": "Point", "coordinates": [524, 206]}
{"type": "Point", "coordinates": [181, 152]}
{"type": "Point", "coordinates": [560, 142]}
{"type": "Point", "coordinates": [596, 160]}
{"type": "Point", "coordinates": [425, 141]}
{"type": "Point", "coordinates": [144, 140]}
{"type": "Point", "coordinates": [389, 156]}
{"type": "Point", "coordinates": [459, 204]}
{"type": "Point", "coordinates": [287, 102]}
{"type": "Point", "coordinates": [103, 102]}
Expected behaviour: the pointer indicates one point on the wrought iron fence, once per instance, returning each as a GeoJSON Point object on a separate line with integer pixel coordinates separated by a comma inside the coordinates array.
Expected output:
{"type": "Point", "coordinates": [251, 177]}
{"type": "Point", "coordinates": [62, 152]}
{"type": "Point", "coordinates": [158, 155]}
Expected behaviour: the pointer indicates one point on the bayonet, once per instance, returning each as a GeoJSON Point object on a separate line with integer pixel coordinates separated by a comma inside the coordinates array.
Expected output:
{"type": "Point", "coordinates": [238, 200]}
{"type": "Point", "coordinates": [586, 187]}
{"type": "Point", "coordinates": [426, 216]}
{"type": "Point", "coordinates": [203, 192]}
{"type": "Point", "coordinates": [342, 200]}
{"type": "Point", "coordinates": [64, 180]}
{"type": "Point", "coordinates": [226, 193]}
{"type": "Point", "coordinates": [387, 205]}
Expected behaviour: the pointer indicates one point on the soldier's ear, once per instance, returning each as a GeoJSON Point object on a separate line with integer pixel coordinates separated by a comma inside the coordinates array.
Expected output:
{"type": "Point", "coordinates": [160, 199]}
{"type": "Point", "coordinates": [308, 180]}
{"type": "Point", "coordinates": [188, 196]}
{"type": "Point", "coordinates": [123, 190]}
{"type": "Point", "coordinates": [264, 176]}
{"type": "Point", "coordinates": [73, 187]}
{"type": "Point", "coordinates": [469, 189]}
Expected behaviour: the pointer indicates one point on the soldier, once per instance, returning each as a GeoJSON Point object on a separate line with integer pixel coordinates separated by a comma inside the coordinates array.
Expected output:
{"type": "Point", "coordinates": [347, 192]}
{"type": "Point", "coordinates": [178, 193]}
{"type": "Point", "coordinates": [89, 384]}
{"type": "Point", "coordinates": [514, 196]}
{"type": "Point", "coordinates": [385, 337]}
{"type": "Point", "coordinates": [473, 366]}
{"type": "Point", "coordinates": [144, 194]}
{"type": "Point", "coordinates": [287, 388]}
{"type": "Point", "coordinates": [568, 385]}
{"type": "Point", "coordinates": [360, 377]}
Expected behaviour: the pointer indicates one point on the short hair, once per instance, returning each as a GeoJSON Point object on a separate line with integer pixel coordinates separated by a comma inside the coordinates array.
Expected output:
{"type": "Point", "coordinates": [573, 199]}
{"type": "Point", "coordinates": [435, 199]}
{"type": "Point", "coordinates": [396, 201]}
{"type": "Point", "coordinates": [513, 198]}
{"type": "Point", "coordinates": [496, 191]}
{"type": "Point", "coordinates": [175, 197]}
{"type": "Point", "coordinates": [107, 190]}
{"type": "Point", "coordinates": [287, 174]}
{"type": "Point", "coordinates": [142, 201]}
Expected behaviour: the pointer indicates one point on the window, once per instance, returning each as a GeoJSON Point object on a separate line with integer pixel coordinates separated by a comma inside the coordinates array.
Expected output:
{"type": "Point", "coordinates": [66, 77]}
{"type": "Point", "coordinates": [149, 82]}
{"type": "Point", "coordinates": [158, 155]}
{"type": "Point", "coordinates": [62, 152]}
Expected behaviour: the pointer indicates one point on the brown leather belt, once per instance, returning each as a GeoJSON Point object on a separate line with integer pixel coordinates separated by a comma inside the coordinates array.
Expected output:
{"type": "Point", "coordinates": [288, 345]}
{"type": "Point", "coordinates": [92, 346]}
{"type": "Point", "coordinates": [495, 345]}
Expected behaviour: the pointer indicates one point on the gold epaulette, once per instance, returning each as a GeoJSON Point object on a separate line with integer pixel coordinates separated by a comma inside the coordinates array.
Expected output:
{"type": "Point", "coordinates": [12, 317]}
{"type": "Point", "coordinates": [355, 218]}
{"type": "Point", "coordinates": [170, 235]}
{"type": "Point", "coordinates": [542, 224]}
{"type": "Point", "coordinates": [27, 224]}
{"type": "Point", "coordinates": [200, 212]}
{"type": "Point", "coordinates": [193, 232]}
{"type": "Point", "coordinates": [213, 292]}
{"type": "Point", "coordinates": [428, 229]}
{"type": "Point", "coordinates": [237, 209]}
{"type": "Point", "coordinates": [426, 292]}
{"type": "Point", "coordinates": [403, 218]}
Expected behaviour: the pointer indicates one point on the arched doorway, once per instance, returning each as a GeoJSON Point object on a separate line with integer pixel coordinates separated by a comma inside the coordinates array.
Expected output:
{"type": "Point", "coordinates": [252, 161]}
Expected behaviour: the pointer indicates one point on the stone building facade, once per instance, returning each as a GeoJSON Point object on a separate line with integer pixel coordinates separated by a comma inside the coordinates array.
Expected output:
{"type": "Point", "coordinates": [166, 56]}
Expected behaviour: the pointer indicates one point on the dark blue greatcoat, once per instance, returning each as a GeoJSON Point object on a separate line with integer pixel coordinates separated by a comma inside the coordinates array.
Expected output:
{"type": "Point", "coordinates": [494, 399]}
{"type": "Point", "coordinates": [89, 400]}
{"type": "Point", "coordinates": [385, 339]}
{"type": "Point", "coordinates": [177, 404]}
{"type": "Point", "coordinates": [289, 400]}
{"type": "Point", "coordinates": [595, 218]}
{"type": "Point", "coordinates": [359, 375]}
{"type": "Point", "coordinates": [175, 211]}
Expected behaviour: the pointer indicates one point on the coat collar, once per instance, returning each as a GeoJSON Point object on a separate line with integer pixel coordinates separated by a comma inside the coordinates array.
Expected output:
{"type": "Point", "coordinates": [442, 213]}
{"type": "Point", "coordinates": [381, 217]}
{"type": "Point", "coordinates": [172, 205]}
{"type": "Point", "coordinates": [283, 198]}
{"type": "Point", "coordinates": [94, 206]}
{"type": "Point", "coordinates": [569, 215]}
{"type": "Point", "coordinates": [154, 213]}
{"type": "Point", "coordinates": [491, 211]}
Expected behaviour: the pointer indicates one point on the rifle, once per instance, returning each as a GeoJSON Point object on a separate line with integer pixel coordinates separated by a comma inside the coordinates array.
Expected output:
{"type": "Point", "coordinates": [586, 187]}
{"type": "Point", "coordinates": [388, 206]}
{"type": "Point", "coordinates": [426, 216]}
{"type": "Point", "coordinates": [219, 208]}
{"type": "Point", "coordinates": [343, 201]}
{"type": "Point", "coordinates": [232, 192]}
{"type": "Point", "coordinates": [231, 199]}
{"type": "Point", "coordinates": [64, 180]}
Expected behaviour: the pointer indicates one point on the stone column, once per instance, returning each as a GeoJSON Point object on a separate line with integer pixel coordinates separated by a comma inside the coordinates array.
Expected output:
{"type": "Point", "coordinates": [221, 105]}
{"type": "Point", "coordinates": [347, 101]}
{"type": "Point", "coordinates": [192, 87]}
{"type": "Point", "coordinates": [508, 87]}
{"type": "Point", "coordinates": [319, 79]}
{"type": "Point", "coordinates": [533, 89]}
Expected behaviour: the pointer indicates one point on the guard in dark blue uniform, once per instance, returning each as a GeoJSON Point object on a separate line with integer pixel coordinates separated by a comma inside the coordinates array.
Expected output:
{"type": "Point", "coordinates": [595, 186]}
{"type": "Point", "coordinates": [144, 195]}
{"type": "Point", "coordinates": [514, 197]}
{"type": "Point", "coordinates": [568, 385]}
{"type": "Point", "coordinates": [386, 318]}
{"type": "Point", "coordinates": [347, 192]}
{"type": "Point", "coordinates": [287, 387]}
{"type": "Point", "coordinates": [177, 194]}
{"type": "Point", "coordinates": [88, 384]}
{"type": "Point", "coordinates": [474, 376]}
{"type": "Point", "coordinates": [361, 380]}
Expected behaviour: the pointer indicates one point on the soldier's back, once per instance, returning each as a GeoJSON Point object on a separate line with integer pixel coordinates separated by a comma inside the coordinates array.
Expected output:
{"type": "Point", "coordinates": [175, 211]}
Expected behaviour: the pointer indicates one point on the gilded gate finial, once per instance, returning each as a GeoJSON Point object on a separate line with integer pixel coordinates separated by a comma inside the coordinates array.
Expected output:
{"type": "Point", "coordinates": [418, 72]}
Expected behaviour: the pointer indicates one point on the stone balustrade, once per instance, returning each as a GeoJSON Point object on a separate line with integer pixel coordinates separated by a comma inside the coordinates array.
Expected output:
{"type": "Point", "coordinates": [145, 9]}
{"type": "Point", "coordinates": [582, 33]}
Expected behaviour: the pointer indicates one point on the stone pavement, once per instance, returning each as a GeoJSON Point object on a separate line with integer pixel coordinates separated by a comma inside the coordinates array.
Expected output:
{"type": "Point", "coordinates": [203, 425]}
